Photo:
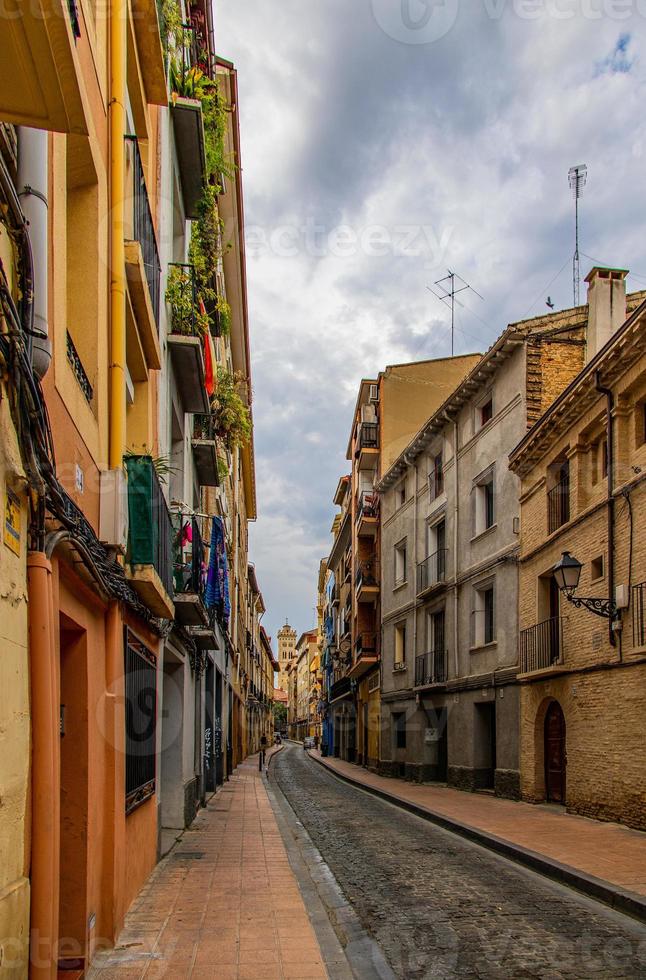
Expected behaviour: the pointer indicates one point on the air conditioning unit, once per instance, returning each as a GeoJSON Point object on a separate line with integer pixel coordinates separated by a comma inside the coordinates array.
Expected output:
{"type": "Point", "coordinates": [113, 509]}
{"type": "Point", "coordinates": [374, 393]}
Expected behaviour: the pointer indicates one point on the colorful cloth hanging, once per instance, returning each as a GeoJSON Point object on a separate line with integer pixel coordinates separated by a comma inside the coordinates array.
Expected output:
{"type": "Point", "coordinates": [217, 582]}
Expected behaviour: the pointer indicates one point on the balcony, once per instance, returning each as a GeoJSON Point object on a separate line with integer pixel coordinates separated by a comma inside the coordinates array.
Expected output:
{"type": "Point", "coordinates": [431, 668]}
{"type": "Point", "coordinates": [558, 505]}
{"type": "Point", "coordinates": [185, 340]}
{"type": "Point", "coordinates": [150, 534]}
{"type": "Point", "coordinates": [540, 646]}
{"type": "Point", "coordinates": [190, 563]}
{"type": "Point", "coordinates": [367, 580]}
{"type": "Point", "coordinates": [432, 571]}
{"type": "Point", "coordinates": [191, 156]}
{"type": "Point", "coordinates": [39, 66]}
{"type": "Point", "coordinates": [205, 450]}
{"type": "Point", "coordinates": [341, 689]}
{"type": "Point", "coordinates": [336, 594]}
{"type": "Point", "coordinates": [366, 653]}
{"type": "Point", "coordinates": [367, 451]}
{"type": "Point", "coordinates": [143, 274]}
{"type": "Point", "coordinates": [368, 514]}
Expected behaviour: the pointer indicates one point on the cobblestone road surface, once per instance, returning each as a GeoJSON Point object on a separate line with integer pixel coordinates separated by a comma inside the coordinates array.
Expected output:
{"type": "Point", "coordinates": [441, 907]}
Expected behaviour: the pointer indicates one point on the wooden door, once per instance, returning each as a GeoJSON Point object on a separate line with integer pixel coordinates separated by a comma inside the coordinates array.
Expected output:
{"type": "Point", "coordinates": [555, 758]}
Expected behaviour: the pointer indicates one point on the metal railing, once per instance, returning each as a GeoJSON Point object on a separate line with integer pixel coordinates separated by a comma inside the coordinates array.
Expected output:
{"type": "Point", "coordinates": [150, 532]}
{"type": "Point", "coordinates": [79, 371]}
{"type": "Point", "coordinates": [182, 298]}
{"type": "Point", "coordinates": [368, 504]}
{"type": "Point", "coordinates": [369, 435]}
{"type": "Point", "coordinates": [430, 668]}
{"type": "Point", "coordinates": [367, 573]}
{"type": "Point", "coordinates": [143, 227]}
{"type": "Point", "coordinates": [540, 645]}
{"type": "Point", "coordinates": [190, 554]}
{"type": "Point", "coordinates": [432, 570]}
{"type": "Point", "coordinates": [639, 615]}
{"type": "Point", "coordinates": [367, 645]}
{"type": "Point", "coordinates": [558, 505]}
{"type": "Point", "coordinates": [204, 427]}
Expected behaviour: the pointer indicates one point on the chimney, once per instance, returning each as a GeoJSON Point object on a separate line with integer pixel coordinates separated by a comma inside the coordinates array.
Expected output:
{"type": "Point", "coordinates": [606, 306]}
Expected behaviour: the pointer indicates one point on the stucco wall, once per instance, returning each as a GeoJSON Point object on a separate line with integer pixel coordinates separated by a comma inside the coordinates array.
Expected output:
{"type": "Point", "coordinates": [14, 720]}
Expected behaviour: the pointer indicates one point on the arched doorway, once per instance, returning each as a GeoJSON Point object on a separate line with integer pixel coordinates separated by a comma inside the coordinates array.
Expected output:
{"type": "Point", "coordinates": [555, 756]}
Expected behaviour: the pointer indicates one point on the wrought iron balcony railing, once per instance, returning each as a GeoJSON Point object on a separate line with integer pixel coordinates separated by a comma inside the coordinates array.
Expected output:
{"type": "Point", "coordinates": [190, 554]}
{"type": "Point", "coordinates": [368, 505]}
{"type": "Point", "coordinates": [432, 571]}
{"type": "Point", "coordinates": [143, 227]}
{"type": "Point", "coordinates": [540, 645]}
{"type": "Point", "coordinates": [430, 668]}
{"type": "Point", "coordinates": [367, 645]}
{"type": "Point", "coordinates": [367, 574]}
{"type": "Point", "coordinates": [369, 435]}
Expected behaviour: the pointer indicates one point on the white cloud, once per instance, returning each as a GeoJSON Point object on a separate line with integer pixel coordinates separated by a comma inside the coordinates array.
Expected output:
{"type": "Point", "coordinates": [469, 138]}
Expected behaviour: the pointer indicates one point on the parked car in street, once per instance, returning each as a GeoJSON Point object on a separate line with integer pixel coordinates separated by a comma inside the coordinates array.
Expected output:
{"type": "Point", "coordinates": [309, 742]}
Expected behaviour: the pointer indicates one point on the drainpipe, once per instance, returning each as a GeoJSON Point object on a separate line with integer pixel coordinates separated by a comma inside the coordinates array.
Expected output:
{"type": "Point", "coordinates": [456, 522]}
{"type": "Point", "coordinates": [117, 247]}
{"type": "Point", "coordinates": [415, 557]}
{"type": "Point", "coordinates": [610, 405]}
{"type": "Point", "coordinates": [45, 771]}
{"type": "Point", "coordinates": [32, 181]}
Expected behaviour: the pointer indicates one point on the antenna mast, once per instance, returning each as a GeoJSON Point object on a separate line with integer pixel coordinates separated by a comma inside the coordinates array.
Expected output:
{"type": "Point", "coordinates": [577, 177]}
{"type": "Point", "coordinates": [448, 293]}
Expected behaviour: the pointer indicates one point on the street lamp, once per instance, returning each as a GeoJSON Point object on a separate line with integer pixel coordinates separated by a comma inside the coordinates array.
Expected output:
{"type": "Point", "coordinates": [567, 573]}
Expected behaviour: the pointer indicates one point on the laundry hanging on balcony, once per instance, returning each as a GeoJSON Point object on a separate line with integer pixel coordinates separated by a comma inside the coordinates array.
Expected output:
{"type": "Point", "coordinates": [217, 583]}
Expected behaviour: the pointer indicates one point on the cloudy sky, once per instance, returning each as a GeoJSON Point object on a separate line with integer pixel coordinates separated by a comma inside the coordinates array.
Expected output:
{"type": "Point", "coordinates": [383, 142]}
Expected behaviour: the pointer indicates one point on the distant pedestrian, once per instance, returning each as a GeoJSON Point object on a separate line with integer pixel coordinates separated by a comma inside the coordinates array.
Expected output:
{"type": "Point", "coordinates": [263, 749]}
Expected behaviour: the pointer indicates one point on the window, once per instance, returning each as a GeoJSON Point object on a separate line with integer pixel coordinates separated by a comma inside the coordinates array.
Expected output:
{"type": "Point", "coordinates": [400, 645]}
{"type": "Point", "coordinates": [596, 568]}
{"type": "Point", "coordinates": [484, 412]}
{"type": "Point", "coordinates": [437, 477]}
{"type": "Point", "coordinates": [435, 631]}
{"type": "Point", "coordinates": [599, 460]}
{"type": "Point", "coordinates": [558, 498]}
{"type": "Point", "coordinates": [399, 730]}
{"type": "Point", "coordinates": [141, 721]}
{"type": "Point", "coordinates": [400, 494]}
{"type": "Point", "coordinates": [484, 614]}
{"type": "Point", "coordinates": [485, 502]}
{"type": "Point", "coordinates": [400, 563]}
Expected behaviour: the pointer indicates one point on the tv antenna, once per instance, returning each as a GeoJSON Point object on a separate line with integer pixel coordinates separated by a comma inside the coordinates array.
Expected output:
{"type": "Point", "coordinates": [577, 177]}
{"type": "Point", "coordinates": [447, 293]}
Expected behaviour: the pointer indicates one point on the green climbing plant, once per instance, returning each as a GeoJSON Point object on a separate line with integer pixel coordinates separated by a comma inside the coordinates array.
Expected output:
{"type": "Point", "coordinates": [231, 416]}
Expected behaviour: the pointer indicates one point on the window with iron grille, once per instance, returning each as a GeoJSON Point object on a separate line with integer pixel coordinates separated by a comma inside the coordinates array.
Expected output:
{"type": "Point", "coordinates": [141, 720]}
{"type": "Point", "coordinates": [437, 477]}
{"type": "Point", "coordinates": [639, 615]}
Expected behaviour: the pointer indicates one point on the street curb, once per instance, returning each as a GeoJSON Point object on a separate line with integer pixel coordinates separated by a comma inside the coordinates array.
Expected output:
{"type": "Point", "coordinates": [272, 756]}
{"type": "Point", "coordinates": [345, 945]}
{"type": "Point", "coordinates": [618, 898]}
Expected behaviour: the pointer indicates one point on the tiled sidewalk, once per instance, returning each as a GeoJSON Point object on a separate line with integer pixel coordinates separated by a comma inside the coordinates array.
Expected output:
{"type": "Point", "coordinates": [224, 904]}
{"type": "Point", "coordinates": [608, 851]}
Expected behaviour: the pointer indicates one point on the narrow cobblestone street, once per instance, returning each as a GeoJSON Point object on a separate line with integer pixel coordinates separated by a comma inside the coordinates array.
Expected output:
{"type": "Point", "coordinates": [441, 907]}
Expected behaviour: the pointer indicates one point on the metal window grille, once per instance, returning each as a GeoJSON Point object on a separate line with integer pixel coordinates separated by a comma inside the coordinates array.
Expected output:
{"type": "Point", "coordinates": [78, 369]}
{"type": "Point", "coordinates": [639, 615]}
{"type": "Point", "coordinates": [141, 720]}
{"type": "Point", "coordinates": [558, 504]}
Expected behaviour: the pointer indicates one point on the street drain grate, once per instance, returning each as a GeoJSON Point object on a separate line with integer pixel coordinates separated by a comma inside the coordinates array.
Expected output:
{"type": "Point", "coordinates": [189, 855]}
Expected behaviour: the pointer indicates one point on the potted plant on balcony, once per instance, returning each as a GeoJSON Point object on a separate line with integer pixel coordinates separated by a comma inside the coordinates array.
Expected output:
{"type": "Point", "coordinates": [231, 416]}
